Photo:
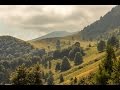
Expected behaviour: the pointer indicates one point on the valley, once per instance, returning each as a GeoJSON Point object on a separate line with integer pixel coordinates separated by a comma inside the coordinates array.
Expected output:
{"type": "Point", "coordinates": [87, 57]}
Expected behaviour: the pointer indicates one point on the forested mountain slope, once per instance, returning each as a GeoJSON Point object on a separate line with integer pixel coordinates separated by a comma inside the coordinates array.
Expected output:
{"type": "Point", "coordinates": [105, 24]}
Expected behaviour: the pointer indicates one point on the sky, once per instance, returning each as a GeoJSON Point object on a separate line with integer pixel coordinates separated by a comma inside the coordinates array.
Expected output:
{"type": "Point", "coordinates": [27, 22]}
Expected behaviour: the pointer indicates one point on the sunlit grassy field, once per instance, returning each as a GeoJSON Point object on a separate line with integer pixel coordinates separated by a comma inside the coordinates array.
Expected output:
{"type": "Point", "coordinates": [90, 63]}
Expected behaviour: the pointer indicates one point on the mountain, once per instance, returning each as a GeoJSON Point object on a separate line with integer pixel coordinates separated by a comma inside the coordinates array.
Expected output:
{"type": "Point", "coordinates": [12, 47]}
{"type": "Point", "coordinates": [105, 24]}
{"type": "Point", "coordinates": [54, 34]}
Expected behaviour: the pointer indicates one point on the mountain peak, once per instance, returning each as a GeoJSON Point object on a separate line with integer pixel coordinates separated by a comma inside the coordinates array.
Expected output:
{"type": "Point", "coordinates": [54, 34]}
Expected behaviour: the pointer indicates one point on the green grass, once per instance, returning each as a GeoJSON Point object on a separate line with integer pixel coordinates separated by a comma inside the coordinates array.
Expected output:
{"type": "Point", "coordinates": [90, 60]}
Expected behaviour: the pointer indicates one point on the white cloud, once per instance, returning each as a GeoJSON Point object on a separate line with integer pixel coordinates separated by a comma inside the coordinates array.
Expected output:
{"type": "Point", "coordinates": [33, 21]}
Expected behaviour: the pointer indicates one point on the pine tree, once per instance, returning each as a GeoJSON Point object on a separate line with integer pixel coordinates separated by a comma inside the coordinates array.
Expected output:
{"type": "Point", "coordinates": [61, 78]}
{"type": "Point", "coordinates": [75, 80]}
{"type": "Point", "coordinates": [102, 76]}
{"type": "Point", "coordinates": [58, 47]}
{"type": "Point", "coordinates": [101, 46]}
{"type": "Point", "coordinates": [110, 57]}
{"type": "Point", "coordinates": [34, 77]}
{"type": "Point", "coordinates": [115, 76]}
{"type": "Point", "coordinates": [49, 64]}
{"type": "Point", "coordinates": [105, 68]}
{"type": "Point", "coordinates": [113, 41]}
{"type": "Point", "coordinates": [77, 44]}
{"type": "Point", "coordinates": [78, 58]}
{"type": "Point", "coordinates": [19, 76]}
{"type": "Point", "coordinates": [50, 80]}
{"type": "Point", "coordinates": [57, 67]}
{"type": "Point", "coordinates": [49, 48]}
{"type": "Point", "coordinates": [65, 64]}
{"type": "Point", "coordinates": [89, 45]}
{"type": "Point", "coordinates": [73, 52]}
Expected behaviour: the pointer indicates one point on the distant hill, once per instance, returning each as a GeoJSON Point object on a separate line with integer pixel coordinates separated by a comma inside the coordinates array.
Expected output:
{"type": "Point", "coordinates": [105, 24]}
{"type": "Point", "coordinates": [54, 35]}
{"type": "Point", "coordinates": [11, 47]}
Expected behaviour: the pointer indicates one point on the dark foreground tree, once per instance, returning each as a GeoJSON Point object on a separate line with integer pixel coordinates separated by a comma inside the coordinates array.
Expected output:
{"type": "Point", "coordinates": [27, 76]}
{"type": "Point", "coordinates": [34, 76]}
{"type": "Point", "coordinates": [19, 76]}
{"type": "Point", "coordinates": [105, 68]}
{"type": "Point", "coordinates": [115, 76]}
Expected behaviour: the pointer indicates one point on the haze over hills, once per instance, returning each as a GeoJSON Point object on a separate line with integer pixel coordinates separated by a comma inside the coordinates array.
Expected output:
{"type": "Point", "coordinates": [61, 58]}
{"type": "Point", "coordinates": [54, 34]}
{"type": "Point", "coordinates": [102, 27]}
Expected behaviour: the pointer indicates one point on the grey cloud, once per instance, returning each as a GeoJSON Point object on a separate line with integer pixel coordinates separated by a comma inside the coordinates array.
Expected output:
{"type": "Point", "coordinates": [35, 18]}
{"type": "Point", "coordinates": [81, 13]}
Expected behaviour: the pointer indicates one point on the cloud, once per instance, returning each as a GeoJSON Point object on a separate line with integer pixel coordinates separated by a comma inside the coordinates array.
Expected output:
{"type": "Point", "coordinates": [47, 18]}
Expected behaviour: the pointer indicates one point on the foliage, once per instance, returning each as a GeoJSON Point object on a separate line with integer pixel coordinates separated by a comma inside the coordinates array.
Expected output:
{"type": "Point", "coordinates": [61, 78]}
{"type": "Point", "coordinates": [105, 69]}
{"type": "Point", "coordinates": [65, 65]}
{"type": "Point", "coordinates": [57, 67]}
{"type": "Point", "coordinates": [58, 47]}
{"type": "Point", "coordinates": [50, 80]}
{"type": "Point", "coordinates": [78, 58]}
{"type": "Point", "coordinates": [113, 41]}
{"type": "Point", "coordinates": [115, 76]}
{"type": "Point", "coordinates": [101, 46]}
{"type": "Point", "coordinates": [27, 76]}
{"type": "Point", "coordinates": [19, 76]}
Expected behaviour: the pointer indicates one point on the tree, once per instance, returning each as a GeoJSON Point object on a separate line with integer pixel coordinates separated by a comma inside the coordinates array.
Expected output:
{"type": "Point", "coordinates": [50, 80]}
{"type": "Point", "coordinates": [75, 80]}
{"type": "Point", "coordinates": [48, 47]}
{"type": "Point", "coordinates": [27, 76]}
{"type": "Point", "coordinates": [115, 76]}
{"type": "Point", "coordinates": [73, 38]}
{"type": "Point", "coordinates": [71, 54]}
{"type": "Point", "coordinates": [57, 67]}
{"type": "Point", "coordinates": [49, 64]}
{"type": "Point", "coordinates": [113, 41]}
{"type": "Point", "coordinates": [77, 44]}
{"type": "Point", "coordinates": [65, 51]}
{"type": "Point", "coordinates": [34, 76]}
{"type": "Point", "coordinates": [65, 64]}
{"type": "Point", "coordinates": [73, 51]}
{"type": "Point", "coordinates": [44, 61]}
{"type": "Point", "coordinates": [78, 58]}
{"type": "Point", "coordinates": [56, 54]}
{"type": "Point", "coordinates": [89, 45]}
{"type": "Point", "coordinates": [101, 46]}
{"type": "Point", "coordinates": [105, 68]}
{"type": "Point", "coordinates": [110, 58]}
{"type": "Point", "coordinates": [61, 78]}
{"type": "Point", "coordinates": [102, 76]}
{"type": "Point", "coordinates": [69, 42]}
{"type": "Point", "coordinates": [2, 77]}
{"type": "Point", "coordinates": [2, 68]}
{"type": "Point", "coordinates": [19, 76]}
{"type": "Point", "coordinates": [58, 47]}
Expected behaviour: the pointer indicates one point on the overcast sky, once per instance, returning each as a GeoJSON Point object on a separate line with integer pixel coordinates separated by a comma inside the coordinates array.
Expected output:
{"type": "Point", "coordinates": [31, 21]}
